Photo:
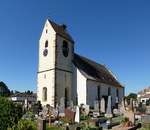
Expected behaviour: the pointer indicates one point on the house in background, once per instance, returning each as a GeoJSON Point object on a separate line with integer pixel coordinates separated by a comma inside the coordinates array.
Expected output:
{"type": "Point", "coordinates": [64, 74]}
{"type": "Point", "coordinates": [144, 95]}
{"type": "Point", "coordinates": [23, 97]}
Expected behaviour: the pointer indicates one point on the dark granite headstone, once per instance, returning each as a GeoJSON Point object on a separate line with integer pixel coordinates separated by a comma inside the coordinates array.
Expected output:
{"type": "Point", "coordinates": [41, 124]}
{"type": "Point", "coordinates": [70, 115]}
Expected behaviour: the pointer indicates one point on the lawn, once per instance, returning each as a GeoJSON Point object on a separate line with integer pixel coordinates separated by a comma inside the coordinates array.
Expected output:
{"type": "Point", "coordinates": [53, 128]}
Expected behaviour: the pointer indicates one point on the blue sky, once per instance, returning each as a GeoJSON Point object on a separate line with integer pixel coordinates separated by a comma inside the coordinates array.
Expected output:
{"type": "Point", "coordinates": [111, 32]}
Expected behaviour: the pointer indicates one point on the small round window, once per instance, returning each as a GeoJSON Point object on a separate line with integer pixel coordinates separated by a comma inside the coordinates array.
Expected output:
{"type": "Point", "coordinates": [65, 48]}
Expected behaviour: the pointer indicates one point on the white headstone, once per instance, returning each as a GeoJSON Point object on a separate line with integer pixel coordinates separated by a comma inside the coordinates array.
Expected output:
{"type": "Point", "coordinates": [116, 100]}
{"type": "Point", "coordinates": [77, 115]}
{"type": "Point", "coordinates": [103, 105]}
{"type": "Point", "coordinates": [87, 109]}
{"type": "Point", "coordinates": [26, 103]}
{"type": "Point", "coordinates": [109, 109]}
{"type": "Point", "coordinates": [71, 104]}
{"type": "Point", "coordinates": [96, 105]}
{"type": "Point", "coordinates": [125, 103]}
{"type": "Point", "coordinates": [62, 102]}
{"type": "Point", "coordinates": [61, 108]}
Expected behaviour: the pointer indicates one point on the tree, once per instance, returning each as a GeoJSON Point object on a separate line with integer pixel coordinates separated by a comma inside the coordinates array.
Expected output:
{"type": "Point", "coordinates": [132, 95]}
{"type": "Point", "coordinates": [10, 113]}
{"type": "Point", "coordinates": [29, 92]}
{"type": "Point", "coordinates": [4, 91]}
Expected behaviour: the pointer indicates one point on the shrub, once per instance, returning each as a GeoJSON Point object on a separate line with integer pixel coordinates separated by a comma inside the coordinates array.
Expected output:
{"type": "Point", "coordinates": [26, 125]}
{"type": "Point", "coordinates": [83, 117]}
{"type": "Point", "coordinates": [10, 113]}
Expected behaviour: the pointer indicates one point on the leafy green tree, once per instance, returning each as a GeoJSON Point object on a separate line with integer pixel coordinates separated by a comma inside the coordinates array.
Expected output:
{"type": "Point", "coordinates": [10, 113]}
{"type": "Point", "coordinates": [29, 92]}
{"type": "Point", "coordinates": [132, 95]}
{"type": "Point", "coordinates": [4, 91]}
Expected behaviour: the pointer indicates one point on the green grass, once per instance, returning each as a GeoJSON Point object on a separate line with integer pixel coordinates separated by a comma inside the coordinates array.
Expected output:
{"type": "Point", "coordinates": [117, 119]}
{"type": "Point", "coordinates": [53, 128]}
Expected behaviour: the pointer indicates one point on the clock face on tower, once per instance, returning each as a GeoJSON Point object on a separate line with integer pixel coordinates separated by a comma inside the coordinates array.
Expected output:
{"type": "Point", "coordinates": [65, 48]}
{"type": "Point", "coordinates": [45, 52]}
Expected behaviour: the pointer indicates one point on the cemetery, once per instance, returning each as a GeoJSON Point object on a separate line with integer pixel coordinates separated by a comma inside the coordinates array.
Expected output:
{"type": "Point", "coordinates": [127, 115]}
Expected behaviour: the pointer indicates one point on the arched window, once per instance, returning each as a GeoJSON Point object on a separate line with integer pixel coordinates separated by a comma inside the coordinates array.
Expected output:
{"type": "Point", "coordinates": [46, 44]}
{"type": "Point", "coordinates": [44, 94]}
{"type": "Point", "coordinates": [65, 48]}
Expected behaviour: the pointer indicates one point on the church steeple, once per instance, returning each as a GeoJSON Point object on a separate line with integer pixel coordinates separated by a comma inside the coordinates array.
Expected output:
{"type": "Point", "coordinates": [56, 48]}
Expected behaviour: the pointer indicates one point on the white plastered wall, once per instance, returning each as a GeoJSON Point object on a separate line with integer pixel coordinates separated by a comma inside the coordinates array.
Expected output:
{"type": "Point", "coordinates": [46, 64]}
{"type": "Point", "coordinates": [46, 79]}
{"type": "Point", "coordinates": [92, 92]}
{"type": "Point", "coordinates": [81, 88]}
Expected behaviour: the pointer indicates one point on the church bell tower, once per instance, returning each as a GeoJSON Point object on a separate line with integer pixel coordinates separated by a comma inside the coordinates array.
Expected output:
{"type": "Point", "coordinates": [54, 79]}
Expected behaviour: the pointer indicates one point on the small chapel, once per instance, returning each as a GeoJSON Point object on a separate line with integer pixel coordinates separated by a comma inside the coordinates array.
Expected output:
{"type": "Point", "coordinates": [62, 73]}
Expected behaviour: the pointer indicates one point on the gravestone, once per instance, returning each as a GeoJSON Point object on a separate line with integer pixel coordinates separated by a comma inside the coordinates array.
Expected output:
{"type": "Point", "coordinates": [96, 114]}
{"type": "Point", "coordinates": [145, 119]}
{"type": "Point", "coordinates": [86, 109]}
{"type": "Point", "coordinates": [131, 105]}
{"type": "Point", "coordinates": [54, 111]}
{"type": "Point", "coordinates": [128, 110]}
{"type": "Point", "coordinates": [71, 104]}
{"type": "Point", "coordinates": [62, 102]}
{"type": "Point", "coordinates": [77, 115]}
{"type": "Point", "coordinates": [122, 107]}
{"type": "Point", "coordinates": [26, 103]}
{"type": "Point", "coordinates": [69, 114]}
{"type": "Point", "coordinates": [116, 111]}
{"type": "Point", "coordinates": [125, 103]}
{"type": "Point", "coordinates": [44, 112]}
{"type": "Point", "coordinates": [130, 115]}
{"type": "Point", "coordinates": [103, 105]}
{"type": "Point", "coordinates": [41, 124]}
{"type": "Point", "coordinates": [109, 108]}
{"type": "Point", "coordinates": [116, 102]}
{"type": "Point", "coordinates": [96, 105]}
{"type": "Point", "coordinates": [147, 109]}
{"type": "Point", "coordinates": [61, 108]}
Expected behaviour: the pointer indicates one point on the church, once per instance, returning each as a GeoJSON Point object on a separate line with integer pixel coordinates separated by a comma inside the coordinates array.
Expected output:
{"type": "Point", "coordinates": [64, 74]}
